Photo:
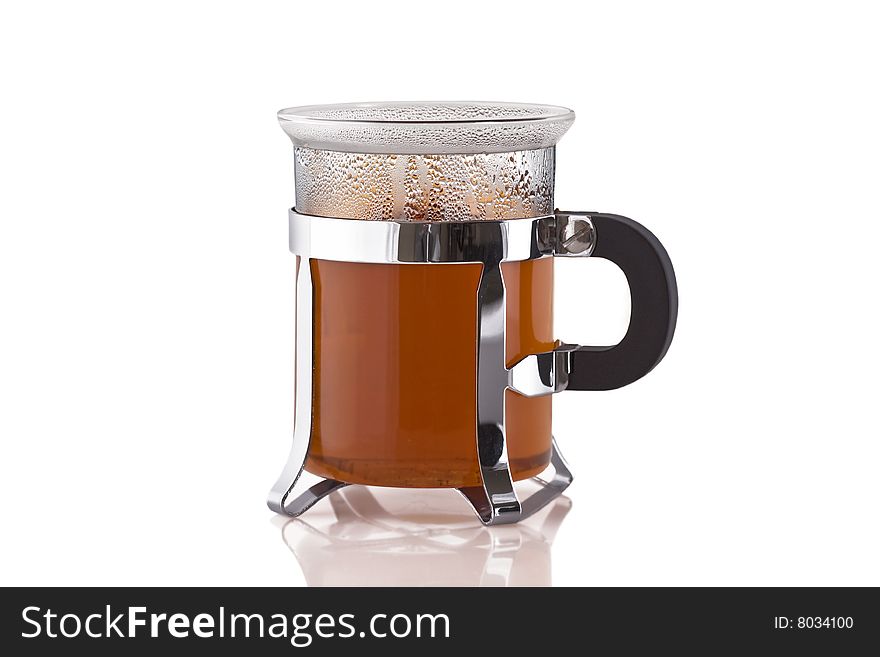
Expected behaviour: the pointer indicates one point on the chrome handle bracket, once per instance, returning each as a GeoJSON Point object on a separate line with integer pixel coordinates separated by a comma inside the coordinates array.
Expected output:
{"type": "Point", "coordinates": [569, 235]}
{"type": "Point", "coordinates": [542, 374]}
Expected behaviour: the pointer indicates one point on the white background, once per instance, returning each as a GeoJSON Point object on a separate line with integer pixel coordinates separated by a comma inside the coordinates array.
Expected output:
{"type": "Point", "coordinates": [146, 291]}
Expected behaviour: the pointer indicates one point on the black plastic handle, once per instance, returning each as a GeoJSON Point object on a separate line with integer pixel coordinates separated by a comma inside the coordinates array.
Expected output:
{"type": "Point", "coordinates": [654, 295]}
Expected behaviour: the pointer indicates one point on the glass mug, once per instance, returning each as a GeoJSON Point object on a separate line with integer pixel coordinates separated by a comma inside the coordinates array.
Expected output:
{"type": "Point", "coordinates": [425, 235]}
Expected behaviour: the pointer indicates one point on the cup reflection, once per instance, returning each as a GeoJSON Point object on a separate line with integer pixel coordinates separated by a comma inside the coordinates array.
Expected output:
{"type": "Point", "coordinates": [413, 537]}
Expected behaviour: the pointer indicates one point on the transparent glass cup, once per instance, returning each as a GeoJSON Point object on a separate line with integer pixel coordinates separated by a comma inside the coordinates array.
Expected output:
{"type": "Point", "coordinates": [426, 356]}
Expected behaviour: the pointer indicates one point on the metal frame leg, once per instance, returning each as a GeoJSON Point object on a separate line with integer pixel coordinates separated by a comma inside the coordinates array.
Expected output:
{"type": "Point", "coordinates": [551, 489]}
{"type": "Point", "coordinates": [495, 500]}
{"type": "Point", "coordinates": [279, 497]}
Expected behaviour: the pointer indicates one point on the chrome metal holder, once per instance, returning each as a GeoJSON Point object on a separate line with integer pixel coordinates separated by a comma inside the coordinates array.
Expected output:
{"type": "Point", "coordinates": [489, 243]}
{"type": "Point", "coordinates": [280, 496]}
